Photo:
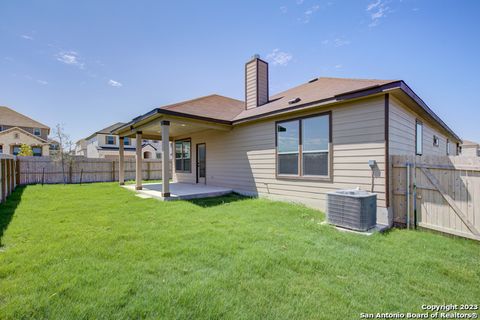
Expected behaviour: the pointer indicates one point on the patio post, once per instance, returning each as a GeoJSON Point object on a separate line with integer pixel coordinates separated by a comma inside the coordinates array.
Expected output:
{"type": "Point", "coordinates": [138, 160]}
{"type": "Point", "coordinates": [165, 158]}
{"type": "Point", "coordinates": [121, 161]}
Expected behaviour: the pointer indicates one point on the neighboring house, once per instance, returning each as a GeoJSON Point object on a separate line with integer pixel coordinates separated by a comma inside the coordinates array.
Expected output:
{"type": "Point", "coordinates": [300, 143]}
{"type": "Point", "coordinates": [470, 149]}
{"type": "Point", "coordinates": [102, 144]}
{"type": "Point", "coordinates": [17, 129]}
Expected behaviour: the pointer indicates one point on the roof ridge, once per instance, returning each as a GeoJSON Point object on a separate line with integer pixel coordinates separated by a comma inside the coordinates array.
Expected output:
{"type": "Point", "coordinates": [357, 79]}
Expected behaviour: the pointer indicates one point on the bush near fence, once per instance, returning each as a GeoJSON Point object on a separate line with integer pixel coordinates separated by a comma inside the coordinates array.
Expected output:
{"type": "Point", "coordinates": [47, 170]}
{"type": "Point", "coordinates": [8, 176]}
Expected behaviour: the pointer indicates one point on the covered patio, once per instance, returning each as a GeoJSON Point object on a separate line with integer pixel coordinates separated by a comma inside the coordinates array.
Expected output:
{"type": "Point", "coordinates": [167, 125]}
{"type": "Point", "coordinates": [180, 191]}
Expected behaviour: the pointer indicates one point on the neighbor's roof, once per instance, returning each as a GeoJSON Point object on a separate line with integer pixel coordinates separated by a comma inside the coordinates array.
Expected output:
{"type": "Point", "coordinates": [469, 143]}
{"type": "Point", "coordinates": [12, 129]}
{"type": "Point", "coordinates": [11, 117]}
{"type": "Point", "coordinates": [107, 130]}
{"type": "Point", "coordinates": [319, 90]}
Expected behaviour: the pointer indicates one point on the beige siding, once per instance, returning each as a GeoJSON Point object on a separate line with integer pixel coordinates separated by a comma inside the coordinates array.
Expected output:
{"type": "Point", "coordinates": [244, 158]}
{"type": "Point", "coordinates": [402, 132]}
{"type": "Point", "coordinates": [251, 85]}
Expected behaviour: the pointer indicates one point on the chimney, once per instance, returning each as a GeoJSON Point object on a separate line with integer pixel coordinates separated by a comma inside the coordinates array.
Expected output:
{"type": "Point", "coordinates": [256, 82]}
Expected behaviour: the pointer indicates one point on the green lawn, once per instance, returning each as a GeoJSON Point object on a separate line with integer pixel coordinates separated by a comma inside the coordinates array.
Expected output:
{"type": "Point", "coordinates": [97, 251]}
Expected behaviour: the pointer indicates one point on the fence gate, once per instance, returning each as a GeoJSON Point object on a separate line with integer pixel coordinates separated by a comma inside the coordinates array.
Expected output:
{"type": "Point", "coordinates": [444, 193]}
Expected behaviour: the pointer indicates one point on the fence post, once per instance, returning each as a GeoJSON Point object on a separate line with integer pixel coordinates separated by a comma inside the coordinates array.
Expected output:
{"type": "Point", "coordinates": [43, 175]}
{"type": "Point", "coordinates": [81, 175]}
{"type": "Point", "coordinates": [113, 170]}
{"type": "Point", "coordinates": [70, 173]}
{"type": "Point", "coordinates": [2, 180]}
{"type": "Point", "coordinates": [148, 170]}
{"type": "Point", "coordinates": [17, 171]}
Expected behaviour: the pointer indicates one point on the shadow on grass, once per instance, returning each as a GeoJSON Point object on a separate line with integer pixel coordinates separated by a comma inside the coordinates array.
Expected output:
{"type": "Point", "coordinates": [218, 201]}
{"type": "Point", "coordinates": [7, 210]}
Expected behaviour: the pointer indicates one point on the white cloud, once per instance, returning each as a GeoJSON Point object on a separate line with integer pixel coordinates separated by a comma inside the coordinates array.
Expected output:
{"type": "Point", "coordinates": [337, 42]}
{"type": "Point", "coordinates": [114, 83]}
{"type": "Point", "coordinates": [377, 10]}
{"type": "Point", "coordinates": [42, 82]}
{"type": "Point", "coordinates": [307, 15]}
{"type": "Point", "coordinates": [70, 58]}
{"type": "Point", "coordinates": [338, 66]}
{"type": "Point", "coordinates": [279, 58]}
{"type": "Point", "coordinates": [24, 36]}
{"type": "Point", "coordinates": [299, 2]}
{"type": "Point", "coordinates": [283, 9]}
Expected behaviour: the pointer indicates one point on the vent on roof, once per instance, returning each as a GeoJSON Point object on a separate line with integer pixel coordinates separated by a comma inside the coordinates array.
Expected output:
{"type": "Point", "coordinates": [312, 80]}
{"type": "Point", "coordinates": [297, 99]}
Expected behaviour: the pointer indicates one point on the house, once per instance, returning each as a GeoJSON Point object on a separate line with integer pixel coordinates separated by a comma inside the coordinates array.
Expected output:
{"type": "Point", "coordinates": [17, 129]}
{"type": "Point", "coordinates": [322, 135]}
{"type": "Point", "coordinates": [102, 144]}
{"type": "Point", "coordinates": [470, 149]}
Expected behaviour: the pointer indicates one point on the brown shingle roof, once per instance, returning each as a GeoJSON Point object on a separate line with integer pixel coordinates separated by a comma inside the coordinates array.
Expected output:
{"type": "Point", "coordinates": [213, 106]}
{"type": "Point", "coordinates": [320, 89]}
{"type": "Point", "coordinates": [11, 117]}
{"type": "Point", "coordinates": [230, 111]}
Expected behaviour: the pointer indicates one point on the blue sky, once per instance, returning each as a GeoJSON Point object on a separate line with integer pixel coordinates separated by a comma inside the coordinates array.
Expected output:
{"type": "Point", "coordinates": [87, 64]}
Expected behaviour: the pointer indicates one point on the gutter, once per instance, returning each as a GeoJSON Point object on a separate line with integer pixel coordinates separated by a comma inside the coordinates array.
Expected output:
{"type": "Point", "coordinates": [364, 92]}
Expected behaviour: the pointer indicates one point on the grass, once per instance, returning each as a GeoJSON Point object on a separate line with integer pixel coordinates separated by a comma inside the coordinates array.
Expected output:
{"type": "Point", "coordinates": [97, 251]}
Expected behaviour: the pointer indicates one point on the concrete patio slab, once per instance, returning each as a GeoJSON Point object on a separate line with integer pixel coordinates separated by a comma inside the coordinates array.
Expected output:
{"type": "Point", "coordinates": [180, 191]}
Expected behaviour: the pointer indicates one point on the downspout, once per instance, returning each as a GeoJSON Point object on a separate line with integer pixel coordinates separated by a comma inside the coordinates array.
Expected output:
{"type": "Point", "coordinates": [408, 195]}
{"type": "Point", "coordinates": [415, 195]}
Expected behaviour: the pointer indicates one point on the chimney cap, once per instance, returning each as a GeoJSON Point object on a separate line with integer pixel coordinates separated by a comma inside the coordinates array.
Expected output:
{"type": "Point", "coordinates": [256, 56]}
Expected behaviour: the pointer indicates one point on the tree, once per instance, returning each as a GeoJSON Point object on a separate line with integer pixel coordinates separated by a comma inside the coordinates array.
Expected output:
{"type": "Point", "coordinates": [25, 151]}
{"type": "Point", "coordinates": [65, 149]}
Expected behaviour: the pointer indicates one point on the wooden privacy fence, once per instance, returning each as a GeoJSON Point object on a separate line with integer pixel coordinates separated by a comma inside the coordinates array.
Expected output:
{"type": "Point", "coordinates": [47, 170]}
{"type": "Point", "coordinates": [443, 193]}
{"type": "Point", "coordinates": [8, 176]}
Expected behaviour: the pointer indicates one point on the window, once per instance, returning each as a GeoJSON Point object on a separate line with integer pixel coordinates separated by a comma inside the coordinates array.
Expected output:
{"type": "Point", "coordinates": [288, 139]}
{"type": "Point", "coordinates": [303, 147]}
{"type": "Point", "coordinates": [37, 151]}
{"type": "Point", "coordinates": [37, 132]}
{"type": "Point", "coordinates": [448, 147]}
{"type": "Point", "coordinates": [15, 150]}
{"type": "Point", "coordinates": [1, 128]}
{"type": "Point", "coordinates": [436, 141]}
{"type": "Point", "coordinates": [127, 141]}
{"type": "Point", "coordinates": [182, 156]}
{"type": "Point", "coordinates": [419, 138]}
{"type": "Point", "coordinates": [16, 136]}
{"type": "Point", "coordinates": [1, 149]}
{"type": "Point", "coordinates": [109, 140]}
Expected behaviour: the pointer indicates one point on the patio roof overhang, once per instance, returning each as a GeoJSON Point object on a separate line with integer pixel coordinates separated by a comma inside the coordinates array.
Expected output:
{"type": "Point", "coordinates": [180, 124]}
